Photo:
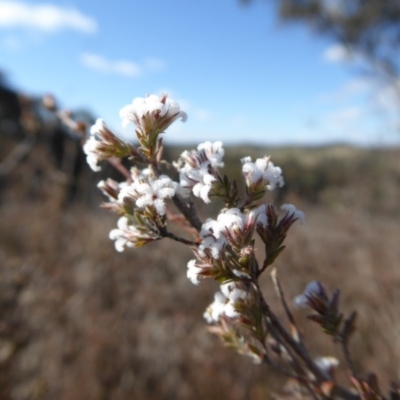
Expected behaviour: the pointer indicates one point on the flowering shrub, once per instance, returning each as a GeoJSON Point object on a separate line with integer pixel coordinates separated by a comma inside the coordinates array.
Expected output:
{"type": "Point", "coordinates": [223, 248]}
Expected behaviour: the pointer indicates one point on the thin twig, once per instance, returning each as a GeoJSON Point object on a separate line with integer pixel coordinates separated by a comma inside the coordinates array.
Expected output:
{"type": "Point", "coordinates": [320, 376]}
{"type": "Point", "coordinates": [180, 220]}
{"type": "Point", "coordinates": [347, 357]}
{"type": "Point", "coordinates": [167, 234]}
{"type": "Point", "coordinates": [293, 326]}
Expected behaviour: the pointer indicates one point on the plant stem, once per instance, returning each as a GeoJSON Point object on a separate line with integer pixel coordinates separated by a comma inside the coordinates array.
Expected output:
{"type": "Point", "coordinates": [188, 210]}
{"type": "Point", "coordinates": [167, 234]}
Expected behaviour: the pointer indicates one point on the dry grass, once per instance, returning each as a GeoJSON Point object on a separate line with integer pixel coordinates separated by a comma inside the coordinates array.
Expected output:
{"type": "Point", "coordinates": [80, 321]}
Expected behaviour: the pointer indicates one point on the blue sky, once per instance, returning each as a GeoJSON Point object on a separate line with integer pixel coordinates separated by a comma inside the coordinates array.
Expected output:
{"type": "Point", "coordinates": [239, 73]}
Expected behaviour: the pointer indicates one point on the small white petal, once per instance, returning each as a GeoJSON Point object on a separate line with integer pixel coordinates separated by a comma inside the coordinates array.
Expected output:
{"type": "Point", "coordinates": [193, 272]}
{"type": "Point", "coordinates": [230, 311]}
{"type": "Point", "coordinates": [301, 301]}
{"type": "Point", "coordinates": [291, 209]}
{"type": "Point", "coordinates": [326, 364]}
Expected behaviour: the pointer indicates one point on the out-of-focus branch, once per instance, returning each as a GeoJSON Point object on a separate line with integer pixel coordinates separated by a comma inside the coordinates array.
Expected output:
{"type": "Point", "coordinates": [302, 352]}
{"type": "Point", "coordinates": [17, 154]}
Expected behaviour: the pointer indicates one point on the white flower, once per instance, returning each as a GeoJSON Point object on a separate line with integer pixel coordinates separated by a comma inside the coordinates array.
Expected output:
{"type": "Point", "coordinates": [326, 364]}
{"type": "Point", "coordinates": [213, 240]}
{"type": "Point", "coordinates": [293, 211]}
{"type": "Point", "coordinates": [128, 235]}
{"type": "Point", "coordinates": [197, 169]}
{"type": "Point", "coordinates": [262, 173]}
{"type": "Point", "coordinates": [233, 294]}
{"type": "Point", "coordinates": [111, 189]}
{"type": "Point", "coordinates": [301, 301]}
{"type": "Point", "coordinates": [258, 216]}
{"type": "Point", "coordinates": [152, 112]}
{"type": "Point", "coordinates": [124, 234]}
{"type": "Point", "coordinates": [216, 309]}
{"type": "Point", "coordinates": [203, 187]}
{"type": "Point", "coordinates": [146, 190]}
{"type": "Point", "coordinates": [102, 144]}
{"type": "Point", "coordinates": [229, 225]}
{"type": "Point", "coordinates": [92, 154]}
{"type": "Point", "coordinates": [98, 127]}
{"type": "Point", "coordinates": [225, 302]}
{"type": "Point", "coordinates": [231, 220]}
{"type": "Point", "coordinates": [193, 272]}
{"type": "Point", "coordinates": [226, 221]}
{"type": "Point", "coordinates": [214, 245]}
{"type": "Point", "coordinates": [232, 227]}
{"type": "Point", "coordinates": [214, 153]}
{"type": "Point", "coordinates": [232, 291]}
{"type": "Point", "coordinates": [94, 145]}
{"type": "Point", "coordinates": [197, 180]}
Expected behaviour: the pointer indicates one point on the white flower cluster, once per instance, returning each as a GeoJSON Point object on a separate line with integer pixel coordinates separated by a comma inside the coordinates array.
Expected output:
{"type": "Point", "coordinates": [147, 190]}
{"type": "Point", "coordinates": [124, 235]}
{"type": "Point", "coordinates": [231, 227]}
{"type": "Point", "coordinates": [96, 146]}
{"type": "Point", "coordinates": [129, 235]}
{"type": "Point", "coordinates": [149, 111]}
{"type": "Point", "coordinates": [111, 189]}
{"type": "Point", "coordinates": [197, 169]}
{"type": "Point", "coordinates": [152, 115]}
{"type": "Point", "coordinates": [225, 302]}
{"type": "Point", "coordinates": [261, 173]}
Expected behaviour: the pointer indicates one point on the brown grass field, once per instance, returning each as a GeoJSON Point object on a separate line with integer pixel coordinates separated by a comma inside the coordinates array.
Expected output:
{"type": "Point", "coordinates": [81, 321]}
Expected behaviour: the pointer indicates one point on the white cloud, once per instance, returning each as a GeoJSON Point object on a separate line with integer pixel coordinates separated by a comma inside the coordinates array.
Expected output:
{"type": "Point", "coordinates": [126, 68]}
{"type": "Point", "coordinates": [347, 114]}
{"type": "Point", "coordinates": [94, 61]}
{"type": "Point", "coordinates": [202, 115]}
{"type": "Point", "coordinates": [118, 67]}
{"type": "Point", "coordinates": [372, 93]}
{"type": "Point", "coordinates": [337, 53]}
{"type": "Point", "coordinates": [354, 88]}
{"type": "Point", "coordinates": [366, 111]}
{"type": "Point", "coordinates": [155, 64]}
{"type": "Point", "coordinates": [44, 17]}
{"type": "Point", "coordinates": [195, 112]}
